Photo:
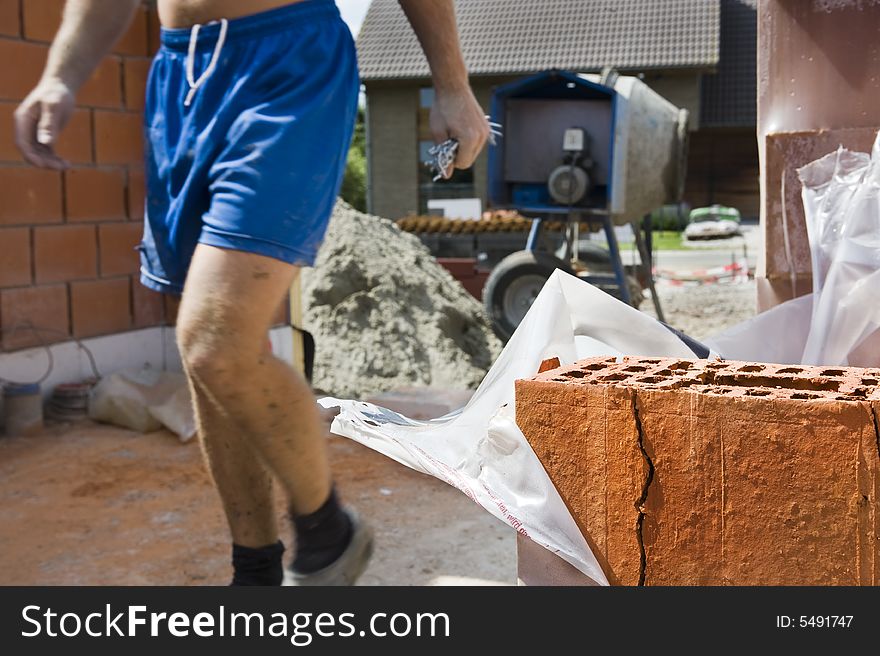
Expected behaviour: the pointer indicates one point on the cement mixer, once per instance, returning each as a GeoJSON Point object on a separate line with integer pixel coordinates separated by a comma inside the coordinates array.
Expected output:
{"type": "Point", "coordinates": [599, 149]}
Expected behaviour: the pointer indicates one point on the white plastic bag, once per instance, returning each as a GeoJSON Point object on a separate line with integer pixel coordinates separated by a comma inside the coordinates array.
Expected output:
{"type": "Point", "coordinates": [480, 450]}
{"type": "Point", "coordinates": [144, 400]}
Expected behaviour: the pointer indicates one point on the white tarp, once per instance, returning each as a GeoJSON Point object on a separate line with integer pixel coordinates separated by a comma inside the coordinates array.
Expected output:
{"type": "Point", "coordinates": [480, 450]}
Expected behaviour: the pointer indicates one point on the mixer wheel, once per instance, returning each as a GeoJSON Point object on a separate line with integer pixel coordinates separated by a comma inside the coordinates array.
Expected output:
{"type": "Point", "coordinates": [513, 286]}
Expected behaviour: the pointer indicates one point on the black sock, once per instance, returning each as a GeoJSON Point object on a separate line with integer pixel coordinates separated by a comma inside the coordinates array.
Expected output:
{"type": "Point", "coordinates": [321, 536]}
{"type": "Point", "coordinates": [257, 566]}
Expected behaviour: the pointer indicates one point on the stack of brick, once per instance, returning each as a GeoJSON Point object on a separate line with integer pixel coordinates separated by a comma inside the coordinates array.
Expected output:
{"type": "Point", "coordinates": [67, 239]}
{"type": "Point", "coordinates": [465, 271]}
{"type": "Point", "coordinates": [686, 472]}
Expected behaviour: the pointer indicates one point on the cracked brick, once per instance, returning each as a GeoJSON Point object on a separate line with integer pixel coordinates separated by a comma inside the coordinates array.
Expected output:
{"type": "Point", "coordinates": [695, 472]}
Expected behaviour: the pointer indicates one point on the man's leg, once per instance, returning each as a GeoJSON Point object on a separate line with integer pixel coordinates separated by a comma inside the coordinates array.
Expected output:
{"type": "Point", "coordinates": [222, 325]}
{"type": "Point", "coordinates": [242, 480]}
{"type": "Point", "coordinates": [252, 407]}
{"type": "Point", "coordinates": [245, 487]}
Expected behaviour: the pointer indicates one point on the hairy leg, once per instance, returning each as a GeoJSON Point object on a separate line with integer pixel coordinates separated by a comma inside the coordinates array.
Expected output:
{"type": "Point", "coordinates": [253, 407]}
{"type": "Point", "coordinates": [242, 480]}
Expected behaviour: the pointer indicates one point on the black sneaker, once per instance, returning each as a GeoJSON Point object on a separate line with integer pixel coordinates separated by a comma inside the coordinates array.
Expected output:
{"type": "Point", "coordinates": [346, 569]}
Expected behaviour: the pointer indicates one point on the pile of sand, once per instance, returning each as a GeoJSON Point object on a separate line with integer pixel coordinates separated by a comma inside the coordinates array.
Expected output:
{"type": "Point", "coordinates": [384, 314]}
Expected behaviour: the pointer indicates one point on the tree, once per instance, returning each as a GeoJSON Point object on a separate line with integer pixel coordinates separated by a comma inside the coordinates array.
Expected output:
{"type": "Point", "coordinates": [354, 185]}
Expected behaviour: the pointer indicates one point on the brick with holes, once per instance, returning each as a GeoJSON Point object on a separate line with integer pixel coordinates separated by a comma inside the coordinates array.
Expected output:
{"type": "Point", "coordinates": [695, 472]}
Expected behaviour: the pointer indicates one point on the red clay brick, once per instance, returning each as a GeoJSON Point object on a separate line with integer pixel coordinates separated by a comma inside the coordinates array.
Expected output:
{"type": "Point", "coordinates": [45, 308]}
{"type": "Point", "coordinates": [27, 60]}
{"type": "Point", "coordinates": [75, 142]}
{"type": "Point", "coordinates": [762, 474]}
{"type": "Point", "coordinates": [101, 307]}
{"type": "Point", "coordinates": [548, 364]}
{"type": "Point", "coordinates": [116, 248]}
{"type": "Point", "coordinates": [104, 87]}
{"type": "Point", "coordinates": [15, 257]}
{"type": "Point", "coordinates": [118, 138]}
{"type": "Point", "coordinates": [136, 70]}
{"type": "Point", "coordinates": [63, 253]}
{"type": "Point", "coordinates": [95, 194]}
{"type": "Point", "coordinates": [8, 150]}
{"type": "Point", "coordinates": [465, 271]}
{"type": "Point", "coordinates": [42, 18]}
{"type": "Point", "coordinates": [29, 195]}
{"type": "Point", "coordinates": [135, 40]}
{"type": "Point", "coordinates": [10, 17]}
{"type": "Point", "coordinates": [149, 306]}
{"type": "Point", "coordinates": [172, 305]}
{"type": "Point", "coordinates": [136, 193]}
{"type": "Point", "coordinates": [154, 33]}
{"type": "Point", "coordinates": [459, 267]}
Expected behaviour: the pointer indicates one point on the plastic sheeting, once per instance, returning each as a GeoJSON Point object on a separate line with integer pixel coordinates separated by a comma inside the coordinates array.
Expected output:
{"type": "Point", "coordinates": [838, 323]}
{"type": "Point", "coordinates": [480, 450]}
{"type": "Point", "coordinates": [144, 400]}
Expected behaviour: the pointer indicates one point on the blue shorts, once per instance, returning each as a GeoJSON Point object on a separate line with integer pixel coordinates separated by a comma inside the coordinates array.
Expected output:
{"type": "Point", "coordinates": [255, 161]}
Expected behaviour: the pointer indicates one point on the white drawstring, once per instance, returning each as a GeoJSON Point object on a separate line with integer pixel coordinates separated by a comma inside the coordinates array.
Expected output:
{"type": "Point", "coordinates": [191, 58]}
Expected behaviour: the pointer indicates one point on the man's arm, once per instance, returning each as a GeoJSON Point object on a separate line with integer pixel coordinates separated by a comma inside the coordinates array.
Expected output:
{"type": "Point", "coordinates": [455, 113]}
{"type": "Point", "coordinates": [88, 31]}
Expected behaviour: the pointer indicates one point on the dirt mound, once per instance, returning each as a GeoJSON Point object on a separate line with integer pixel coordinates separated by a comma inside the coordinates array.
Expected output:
{"type": "Point", "coordinates": [384, 314]}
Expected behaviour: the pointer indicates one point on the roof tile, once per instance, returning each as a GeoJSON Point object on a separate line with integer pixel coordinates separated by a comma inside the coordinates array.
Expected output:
{"type": "Point", "coordinates": [504, 37]}
{"type": "Point", "coordinates": [729, 97]}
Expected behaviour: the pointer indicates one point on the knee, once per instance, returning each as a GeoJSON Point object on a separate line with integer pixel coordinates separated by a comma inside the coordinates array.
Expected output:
{"type": "Point", "coordinates": [207, 356]}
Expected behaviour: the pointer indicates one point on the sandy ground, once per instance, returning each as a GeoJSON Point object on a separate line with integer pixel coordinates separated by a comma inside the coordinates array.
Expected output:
{"type": "Point", "coordinates": [706, 310]}
{"type": "Point", "coordinates": [92, 504]}
{"type": "Point", "coordinates": [97, 505]}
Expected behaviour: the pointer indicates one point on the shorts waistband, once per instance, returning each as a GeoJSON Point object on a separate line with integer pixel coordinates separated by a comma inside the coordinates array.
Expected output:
{"type": "Point", "coordinates": [253, 26]}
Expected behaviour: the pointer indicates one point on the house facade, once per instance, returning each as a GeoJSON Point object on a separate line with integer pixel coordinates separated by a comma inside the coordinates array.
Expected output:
{"type": "Point", "coordinates": [698, 54]}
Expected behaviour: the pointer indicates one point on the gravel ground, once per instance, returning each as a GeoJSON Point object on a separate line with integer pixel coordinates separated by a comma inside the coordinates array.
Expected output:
{"type": "Point", "coordinates": [90, 504]}
{"type": "Point", "coordinates": [705, 310]}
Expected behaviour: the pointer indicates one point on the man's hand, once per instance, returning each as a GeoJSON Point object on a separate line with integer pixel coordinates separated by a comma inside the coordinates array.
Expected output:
{"type": "Point", "coordinates": [457, 115]}
{"type": "Point", "coordinates": [39, 120]}
{"type": "Point", "coordinates": [89, 28]}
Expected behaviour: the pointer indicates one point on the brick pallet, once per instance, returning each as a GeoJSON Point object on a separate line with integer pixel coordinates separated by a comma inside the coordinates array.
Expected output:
{"type": "Point", "coordinates": [684, 472]}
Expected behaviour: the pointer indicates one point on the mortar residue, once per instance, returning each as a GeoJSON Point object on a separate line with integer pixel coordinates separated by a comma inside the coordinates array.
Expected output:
{"type": "Point", "coordinates": [384, 314]}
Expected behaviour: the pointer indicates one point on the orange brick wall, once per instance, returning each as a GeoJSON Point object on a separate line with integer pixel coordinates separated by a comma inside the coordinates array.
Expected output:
{"type": "Point", "coordinates": [67, 239]}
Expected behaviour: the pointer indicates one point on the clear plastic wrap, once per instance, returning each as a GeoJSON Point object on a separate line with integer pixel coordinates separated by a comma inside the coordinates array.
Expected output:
{"type": "Point", "coordinates": [838, 323]}
{"type": "Point", "coordinates": [480, 450]}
